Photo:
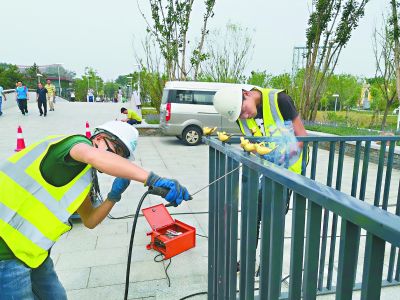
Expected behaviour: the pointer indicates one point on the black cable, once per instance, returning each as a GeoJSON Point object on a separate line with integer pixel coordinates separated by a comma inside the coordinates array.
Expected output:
{"type": "Point", "coordinates": [193, 295]}
{"type": "Point", "coordinates": [165, 268]}
{"type": "Point", "coordinates": [128, 265]}
{"type": "Point", "coordinates": [204, 236]}
{"type": "Point", "coordinates": [237, 291]}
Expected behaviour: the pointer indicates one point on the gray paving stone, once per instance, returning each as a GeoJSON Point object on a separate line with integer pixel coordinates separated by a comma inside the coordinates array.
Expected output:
{"type": "Point", "coordinates": [89, 258]}
{"type": "Point", "coordinates": [74, 278]}
{"type": "Point", "coordinates": [115, 274]}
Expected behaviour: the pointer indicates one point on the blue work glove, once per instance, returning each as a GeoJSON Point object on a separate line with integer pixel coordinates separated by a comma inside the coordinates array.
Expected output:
{"type": "Point", "coordinates": [177, 193]}
{"type": "Point", "coordinates": [118, 187]}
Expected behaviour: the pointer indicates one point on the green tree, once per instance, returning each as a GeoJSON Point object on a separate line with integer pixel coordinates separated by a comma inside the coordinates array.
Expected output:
{"type": "Point", "coordinates": [110, 89]}
{"type": "Point", "coordinates": [30, 76]}
{"type": "Point", "coordinates": [329, 29]}
{"type": "Point", "coordinates": [259, 78]}
{"type": "Point", "coordinates": [347, 86]}
{"type": "Point", "coordinates": [385, 76]}
{"type": "Point", "coordinates": [9, 75]}
{"type": "Point", "coordinates": [229, 50]}
{"type": "Point", "coordinates": [170, 25]}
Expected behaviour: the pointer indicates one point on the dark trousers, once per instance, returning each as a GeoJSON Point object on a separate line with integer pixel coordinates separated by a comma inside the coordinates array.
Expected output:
{"type": "Point", "coordinates": [23, 105]}
{"type": "Point", "coordinates": [133, 122]}
{"type": "Point", "coordinates": [259, 213]}
{"type": "Point", "coordinates": [42, 103]}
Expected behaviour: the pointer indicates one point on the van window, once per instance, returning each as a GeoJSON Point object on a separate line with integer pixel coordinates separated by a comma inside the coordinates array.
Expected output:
{"type": "Point", "coordinates": [204, 98]}
{"type": "Point", "coordinates": [184, 97]}
{"type": "Point", "coordinates": [194, 97]}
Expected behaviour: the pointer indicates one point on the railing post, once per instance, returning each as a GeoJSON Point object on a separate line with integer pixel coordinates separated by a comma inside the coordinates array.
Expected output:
{"type": "Point", "coordinates": [373, 267]}
{"type": "Point", "coordinates": [347, 260]}
{"type": "Point", "coordinates": [232, 198]}
{"type": "Point", "coordinates": [312, 251]}
{"type": "Point", "coordinates": [265, 235]}
{"type": "Point", "coordinates": [277, 240]}
{"type": "Point", "coordinates": [249, 204]}
{"type": "Point", "coordinates": [221, 230]}
{"type": "Point", "coordinates": [297, 247]}
{"type": "Point", "coordinates": [212, 234]}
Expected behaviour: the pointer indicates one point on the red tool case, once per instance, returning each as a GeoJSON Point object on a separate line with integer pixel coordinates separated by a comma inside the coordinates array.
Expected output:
{"type": "Point", "coordinates": [162, 225]}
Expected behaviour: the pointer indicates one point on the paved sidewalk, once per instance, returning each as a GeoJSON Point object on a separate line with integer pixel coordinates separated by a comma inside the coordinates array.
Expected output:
{"type": "Point", "coordinates": [92, 263]}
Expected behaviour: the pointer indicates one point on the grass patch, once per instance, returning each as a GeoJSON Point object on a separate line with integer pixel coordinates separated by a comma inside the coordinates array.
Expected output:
{"type": "Point", "coordinates": [343, 131]}
{"type": "Point", "coordinates": [360, 119]}
{"type": "Point", "coordinates": [153, 121]}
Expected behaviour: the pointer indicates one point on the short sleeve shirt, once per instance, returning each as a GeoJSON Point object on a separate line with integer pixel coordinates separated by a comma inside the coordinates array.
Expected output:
{"type": "Point", "coordinates": [22, 92]}
{"type": "Point", "coordinates": [51, 89]}
{"type": "Point", "coordinates": [132, 115]}
{"type": "Point", "coordinates": [42, 94]}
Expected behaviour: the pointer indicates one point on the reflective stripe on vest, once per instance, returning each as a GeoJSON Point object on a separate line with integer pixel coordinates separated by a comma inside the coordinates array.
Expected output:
{"type": "Point", "coordinates": [271, 117]}
{"type": "Point", "coordinates": [33, 213]}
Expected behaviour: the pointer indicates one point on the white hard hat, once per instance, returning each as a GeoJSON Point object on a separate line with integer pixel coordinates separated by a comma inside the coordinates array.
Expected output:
{"type": "Point", "coordinates": [124, 133]}
{"type": "Point", "coordinates": [228, 102]}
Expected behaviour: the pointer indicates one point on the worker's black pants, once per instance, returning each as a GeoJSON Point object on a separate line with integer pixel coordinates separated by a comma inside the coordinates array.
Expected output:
{"type": "Point", "coordinates": [289, 194]}
{"type": "Point", "coordinates": [23, 106]}
{"type": "Point", "coordinates": [133, 122]}
{"type": "Point", "coordinates": [42, 103]}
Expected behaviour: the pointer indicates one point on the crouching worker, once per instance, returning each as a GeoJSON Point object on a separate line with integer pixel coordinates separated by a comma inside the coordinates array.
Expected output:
{"type": "Point", "coordinates": [132, 116]}
{"type": "Point", "coordinates": [43, 185]}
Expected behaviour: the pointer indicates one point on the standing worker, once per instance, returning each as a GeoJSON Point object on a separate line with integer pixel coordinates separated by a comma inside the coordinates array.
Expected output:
{"type": "Point", "coordinates": [41, 93]}
{"type": "Point", "coordinates": [132, 116]}
{"type": "Point", "coordinates": [44, 184]}
{"type": "Point", "coordinates": [51, 94]}
{"type": "Point", "coordinates": [2, 95]}
{"type": "Point", "coordinates": [258, 110]}
{"type": "Point", "coordinates": [22, 97]}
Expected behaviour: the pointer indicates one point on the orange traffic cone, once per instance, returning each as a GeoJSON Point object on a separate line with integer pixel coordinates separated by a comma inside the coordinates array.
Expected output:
{"type": "Point", "coordinates": [20, 140]}
{"type": "Point", "coordinates": [88, 133]}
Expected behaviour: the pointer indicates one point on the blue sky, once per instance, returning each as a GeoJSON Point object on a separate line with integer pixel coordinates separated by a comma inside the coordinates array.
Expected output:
{"type": "Point", "coordinates": [105, 34]}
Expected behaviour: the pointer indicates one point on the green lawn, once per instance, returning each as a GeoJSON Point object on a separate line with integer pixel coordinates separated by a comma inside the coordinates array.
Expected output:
{"type": "Point", "coordinates": [358, 119]}
{"type": "Point", "coordinates": [343, 131]}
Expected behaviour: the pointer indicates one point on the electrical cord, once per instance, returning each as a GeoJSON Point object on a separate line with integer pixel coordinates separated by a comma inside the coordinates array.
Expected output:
{"type": "Point", "coordinates": [128, 265]}
{"type": "Point", "coordinates": [237, 291]}
{"type": "Point", "coordinates": [165, 268]}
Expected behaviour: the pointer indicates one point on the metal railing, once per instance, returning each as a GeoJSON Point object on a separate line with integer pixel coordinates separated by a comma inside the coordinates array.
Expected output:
{"type": "Point", "coordinates": [316, 207]}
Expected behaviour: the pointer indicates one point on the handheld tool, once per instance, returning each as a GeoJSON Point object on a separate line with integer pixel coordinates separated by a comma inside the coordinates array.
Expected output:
{"type": "Point", "coordinates": [157, 192]}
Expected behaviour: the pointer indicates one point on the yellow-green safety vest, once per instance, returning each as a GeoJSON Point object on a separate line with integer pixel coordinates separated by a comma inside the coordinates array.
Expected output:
{"type": "Point", "coordinates": [271, 117]}
{"type": "Point", "coordinates": [34, 213]}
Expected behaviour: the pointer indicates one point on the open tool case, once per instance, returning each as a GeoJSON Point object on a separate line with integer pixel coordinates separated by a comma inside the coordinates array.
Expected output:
{"type": "Point", "coordinates": [168, 236]}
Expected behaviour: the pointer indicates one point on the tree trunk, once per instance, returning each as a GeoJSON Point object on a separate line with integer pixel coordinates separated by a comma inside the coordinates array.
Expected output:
{"type": "Point", "coordinates": [383, 124]}
{"type": "Point", "coordinates": [396, 33]}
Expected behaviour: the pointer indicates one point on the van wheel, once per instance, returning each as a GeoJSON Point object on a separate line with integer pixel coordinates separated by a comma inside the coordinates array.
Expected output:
{"type": "Point", "coordinates": [192, 136]}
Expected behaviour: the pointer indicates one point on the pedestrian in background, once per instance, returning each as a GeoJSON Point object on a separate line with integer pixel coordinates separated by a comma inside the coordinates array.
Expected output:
{"type": "Point", "coordinates": [119, 97]}
{"type": "Point", "coordinates": [132, 117]}
{"type": "Point", "coordinates": [2, 95]}
{"type": "Point", "coordinates": [51, 94]}
{"type": "Point", "coordinates": [41, 93]}
{"type": "Point", "coordinates": [72, 96]}
{"type": "Point", "coordinates": [22, 97]}
{"type": "Point", "coordinates": [90, 96]}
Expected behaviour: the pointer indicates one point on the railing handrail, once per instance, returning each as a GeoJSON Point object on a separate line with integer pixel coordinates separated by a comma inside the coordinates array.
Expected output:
{"type": "Point", "coordinates": [236, 139]}
{"type": "Point", "coordinates": [373, 219]}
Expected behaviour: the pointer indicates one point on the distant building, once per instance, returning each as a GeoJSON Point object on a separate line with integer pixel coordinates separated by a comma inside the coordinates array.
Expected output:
{"type": "Point", "coordinates": [57, 74]}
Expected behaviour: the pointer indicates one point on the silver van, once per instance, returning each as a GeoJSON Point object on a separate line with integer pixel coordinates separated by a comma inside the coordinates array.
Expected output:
{"type": "Point", "coordinates": [187, 107]}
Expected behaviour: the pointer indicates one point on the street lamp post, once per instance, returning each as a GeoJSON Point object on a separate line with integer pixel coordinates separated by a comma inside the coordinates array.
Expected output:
{"type": "Point", "coordinates": [131, 78]}
{"type": "Point", "coordinates": [336, 99]}
{"type": "Point", "coordinates": [59, 79]}
{"type": "Point", "coordinates": [140, 69]}
{"type": "Point", "coordinates": [38, 77]}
